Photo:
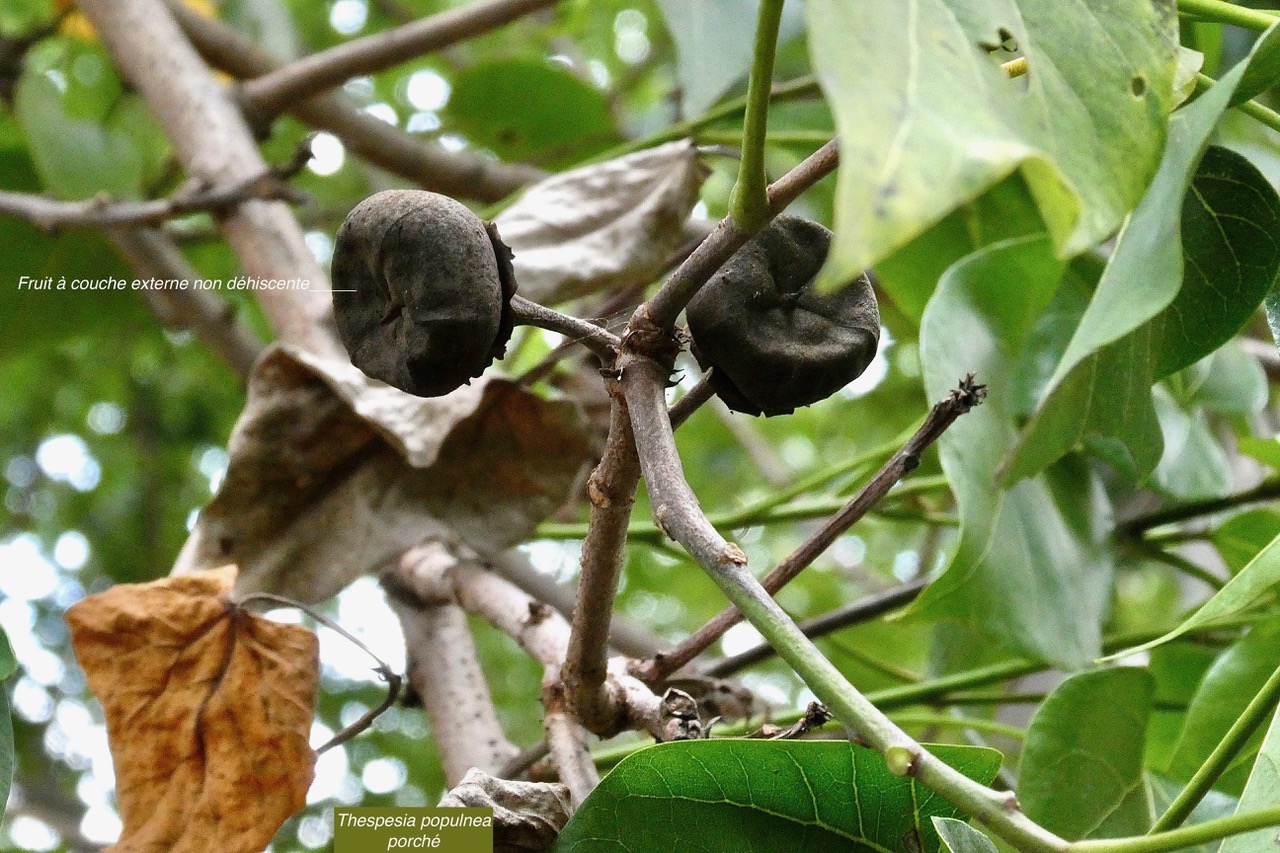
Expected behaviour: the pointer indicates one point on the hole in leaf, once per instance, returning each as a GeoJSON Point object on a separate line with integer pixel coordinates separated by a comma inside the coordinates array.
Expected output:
{"type": "Point", "coordinates": [1004, 42]}
{"type": "Point", "coordinates": [1138, 85]}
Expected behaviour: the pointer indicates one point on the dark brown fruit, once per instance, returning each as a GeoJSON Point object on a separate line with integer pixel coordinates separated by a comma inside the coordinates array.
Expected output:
{"type": "Point", "coordinates": [430, 291]}
{"type": "Point", "coordinates": [775, 343]}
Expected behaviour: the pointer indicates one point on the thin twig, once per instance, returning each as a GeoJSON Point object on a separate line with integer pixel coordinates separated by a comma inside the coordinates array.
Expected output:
{"type": "Point", "coordinates": [1268, 489]}
{"type": "Point", "coordinates": [385, 672]}
{"type": "Point", "coordinates": [1259, 710]}
{"type": "Point", "coordinates": [626, 635]}
{"type": "Point", "coordinates": [1179, 563]}
{"type": "Point", "coordinates": [611, 490]}
{"type": "Point", "coordinates": [459, 174]}
{"type": "Point", "coordinates": [102, 211]}
{"type": "Point", "coordinates": [663, 307]}
{"type": "Point", "coordinates": [321, 71]}
{"type": "Point", "coordinates": [676, 510]}
{"type": "Point", "coordinates": [214, 321]}
{"type": "Point", "coordinates": [214, 145]}
{"type": "Point", "coordinates": [854, 613]}
{"type": "Point", "coordinates": [693, 399]}
{"type": "Point", "coordinates": [940, 417]}
{"type": "Point", "coordinates": [761, 453]}
{"type": "Point", "coordinates": [567, 743]}
{"type": "Point", "coordinates": [599, 340]}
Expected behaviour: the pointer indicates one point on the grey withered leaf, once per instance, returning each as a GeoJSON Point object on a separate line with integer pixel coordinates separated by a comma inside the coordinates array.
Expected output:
{"type": "Point", "coordinates": [602, 226]}
{"type": "Point", "coordinates": [527, 816]}
{"type": "Point", "coordinates": [331, 473]}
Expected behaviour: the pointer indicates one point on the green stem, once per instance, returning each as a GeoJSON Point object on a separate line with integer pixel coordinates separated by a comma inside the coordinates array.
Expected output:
{"type": "Point", "coordinates": [855, 710]}
{"type": "Point", "coordinates": [915, 694]}
{"type": "Point", "coordinates": [749, 203]}
{"type": "Point", "coordinates": [1181, 564]}
{"type": "Point", "coordinates": [648, 533]}
{"type": "Point", "coordinates": [778, 137]}
{"type": "Point", "coordinates": [1257, 713]}
{"type": "Point", "coordinates": [1271, 119]}
{"type": "Point", "coordinates": [1228, 13]}
{"type": "Point", "coordinates": [1266, 115]}
{"type": "Point", "coordinates": [799, 87]}
{"type": "Point", "coordinates": [977, 724]}
{"type": "Point", "coordinates": [1185, 838]}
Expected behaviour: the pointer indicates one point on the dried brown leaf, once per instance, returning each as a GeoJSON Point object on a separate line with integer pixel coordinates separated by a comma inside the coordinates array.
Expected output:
{"type": "Point", "coordinates": [332, 474]}
{"type": "Point", "coordinates": [602, 226]}
{"type": "Point", "coordinates": [527, 816]}
{"type": "Point", "coordinates": [209, 711]}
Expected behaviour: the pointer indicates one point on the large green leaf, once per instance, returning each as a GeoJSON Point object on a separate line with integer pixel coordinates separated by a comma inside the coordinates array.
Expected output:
{"type": "Point", "coordinates": [1230, 215]}
{"type": "Point", "coordinates": [1227, 688]}
{"type": "Point", "coordinates": [1231, 252]}
{"type": "Point", "coordinates": [732, 795]}
{"type": "Point", "coordinates": [928, 120]}
{"type": "Point", "coordinates": [1262, 573]}
{"type": "Point", "coordinates": [1262, 790]}
{"type": "Point", "coordinates": [1003, 212]}
{"type": "Point", "coordinates": [1106, 403]}
{"type": "Point", "coordinates": [1081, 770]}
{"type": "Point", "coordinates": [547, 113]}
{"type": "Point", "coordinates": [1025, 551]}
{"type": "Point", "coordinates": [1145, 271]}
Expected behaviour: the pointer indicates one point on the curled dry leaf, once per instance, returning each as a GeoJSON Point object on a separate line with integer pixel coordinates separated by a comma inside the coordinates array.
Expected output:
{"type": "Point", "coordinates": [332, 474]}
{"type": "Point", "coordinates": [527, 816]}
{"type": "Point", "coordinates": [209, 711]}
{"type": "Point", "coordinates": [602, 226]}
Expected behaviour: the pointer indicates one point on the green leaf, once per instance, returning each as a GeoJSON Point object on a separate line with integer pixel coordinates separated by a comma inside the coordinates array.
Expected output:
{"type": "Point", "coordinates": [1229, 215]}
{"type": "Point", "coordinates": [8, 663]}
{"type": "Point", "coordinates": [7, 758]}
{"type": "Point", "coordinates": [85, 134]}
{"type": "Point", "coordinates": [1265, 450]}
{"type": "Point", "coordinates": [1262, 573]}
{"type": "Point", "coordinates": [714, 41]}
{"type": "Point", "coordinates": [1178, 669]}
{"type": "Point", "coordinates": [1081, 770]}
{"type": "Point", "coordinates": [1232, 382]}
{"type": "Point", "coordinates": [928, 120]}
{"type": "Point", "coordinates": [1193, 466]}
{"type": "Point", "coordinates": [1024, 551]}
{"type": "Point", "coordinates": [959, 837]}
{"type": "Point", "coordinates": [1214, 805]}
{"type": "Point", "coordinates": [1004, 211]}
{"type": "Point", "coordinates": [8, 666]}
{"type": "Point", "coordinates": [1241, 537]}
{"type": "Point", "coordinates": [1262, 790]}
{"type": "Point", "coordinates": [547, 114]}
{"type": "Point", "coordinates": [731, 795]}
{"type": "Point", "coordinates": [1145, 271]}
{"type": "Point", "coordinates": [1227, 688]}
{"type": "Point", "coordinates": [1230, 219]}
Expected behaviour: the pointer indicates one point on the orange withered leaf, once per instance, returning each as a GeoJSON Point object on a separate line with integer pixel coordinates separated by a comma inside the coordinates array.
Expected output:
{"type": "Point", "coordinates": [209, 710]}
